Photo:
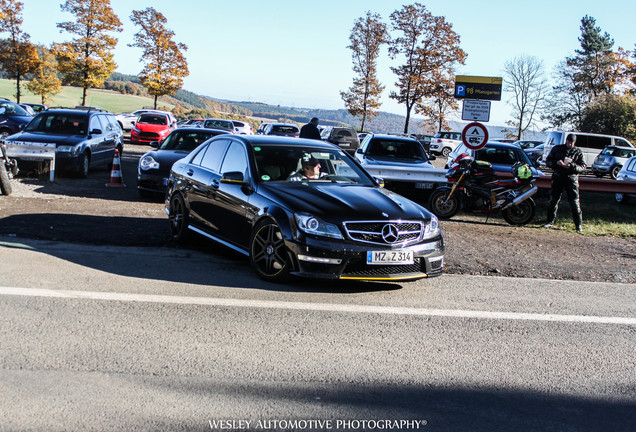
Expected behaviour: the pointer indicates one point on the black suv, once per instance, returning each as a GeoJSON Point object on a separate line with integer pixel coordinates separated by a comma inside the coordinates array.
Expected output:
{"type": "Point", "coordinates": [344, 137]}
{"type": "Point", "coordinates": [84, 138]}
{"type": "Point", "coordinates": [12, 118]}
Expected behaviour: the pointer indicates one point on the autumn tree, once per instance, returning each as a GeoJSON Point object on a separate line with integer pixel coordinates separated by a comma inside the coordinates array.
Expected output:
{"type": "Point", "coordinates": [598, 69]}
{"type": "Point", "coordinates": [611, 114]}
{"type": "Point", "coordinates": [87, 60]}
{"type": "Point", "coordinates": [18, 56]}
{"type": "Point", "coordinates": [165, 65]}
{"type": "Point", "coordinates": [441, 102]}
{"type": "Point", "coordinates": [45, 82]}
{"type": "Point", "coordinates": [367, 36]}
{"type": "Point", "coordinates": [525, 80]}
{"type": "Point", "coordinates": [430, 48]}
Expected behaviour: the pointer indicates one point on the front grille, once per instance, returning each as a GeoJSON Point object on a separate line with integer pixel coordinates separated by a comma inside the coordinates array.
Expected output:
{"type": "Point", "coordinates": [385, 232]}
{"type": "Point", "coordinates": [362, 269]}
{"type": "Point", "coordinates": [148, 135]}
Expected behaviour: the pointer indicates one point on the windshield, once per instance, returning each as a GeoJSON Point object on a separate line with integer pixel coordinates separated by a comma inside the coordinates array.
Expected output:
{"type": "Point", "coordinates": [12, 109]}
{"type": "Point", "coordinates": [293, 164]}
{"type": "Point", "coordinates": [218, 124]}
{"type": "Point", "coordinates": [58, 123]}
{"type": "Point", "coordinates": [153, 119]}
{"type": "Point", "coordinates": [186, 141]}
{"type": "Point", "coordinates": [397, 149]}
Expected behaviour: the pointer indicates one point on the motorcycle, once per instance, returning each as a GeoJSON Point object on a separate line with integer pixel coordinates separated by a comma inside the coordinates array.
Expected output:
{"type": "Point", "coordinates": [8, 169]}
{"type": "Point", "coordinates": [475, 188]}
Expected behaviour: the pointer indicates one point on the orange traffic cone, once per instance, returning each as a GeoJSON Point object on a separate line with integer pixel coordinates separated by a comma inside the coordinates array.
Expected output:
{"type": "Point", "coordinates": [115, 173]}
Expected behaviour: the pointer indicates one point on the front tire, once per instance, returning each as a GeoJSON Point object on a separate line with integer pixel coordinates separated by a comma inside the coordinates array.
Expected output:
{"type": "Point", "coordinates": [441, 206]}
{"type": "Point", "coordinates": [268, 254]}
{"type": "Point", "coordinates": [520, 214]}
{"type": "Point", "coordinates": [179, 218]}
{"type": "Point", "coordinates": [84, 163]}
{"type": "Point", "coordinates": [5, 183]}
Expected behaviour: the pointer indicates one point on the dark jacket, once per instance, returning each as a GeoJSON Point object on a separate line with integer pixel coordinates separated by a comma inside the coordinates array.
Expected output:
{"type": "Point", "coordinates": [560, 152]}
{"type": "Point", "coordinates": [310, 131]}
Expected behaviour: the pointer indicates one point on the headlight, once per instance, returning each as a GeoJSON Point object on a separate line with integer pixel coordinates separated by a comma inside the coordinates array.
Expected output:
{"type": "Point", "coordinates": [148, 162]}
{"type": "Point", "coordinates": [66, 149]}
{"type": "Point", "coordinates": [312, 225]}
{"type": "Point", "coordinates": [134, 130]}
{"type": "Point", "coordinates": [432, 228]}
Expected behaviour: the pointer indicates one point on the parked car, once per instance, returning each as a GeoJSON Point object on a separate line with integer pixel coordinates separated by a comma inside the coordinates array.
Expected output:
{"type": "Point", "coordinates": [261, 128]}
{"type": "Point", "coordinates": [282, 129]}
{"type": "Point", "coordinates": [152, 126]}
{"type": "Point", "coordinates": [535, 154]}
{"type": "Point", "coordinates": [242, 128]}
{"type": "Point", "coordinates": [196, 122]}
{"type": "Point", "coordinates": [127, 120]}
{"type": "Point", "coordinates": [343, 137]}
{"type": "Point", "coordinates": [443, 143]}
{"type": "Point", "coordinates": [83, 138]}
{"type": "Point", "coordinates": [389, 151]}
{"type": "Point", "coordinates": [12, 118]}
{"type": "Point", "coordinates": [235, 190]}
{"type": "Point", "coordinates": [611, 160]}
{"type": "Point", "coordinates": [214, 123]}
{"type": "Point", "coordinates": [28, 109]}
{"type": "Point", "coordinates": [627, 173]}
{"type": "Point", "coordinates": [502, 156]}
{"type": "Point", "coordinates": [425, 140]}
{"type": "Point", "coordinates": [526, 144]}
{"type": "Point", "coordinates": [38, 108]}
{"type": "Point", "coordinates": [153, 169]}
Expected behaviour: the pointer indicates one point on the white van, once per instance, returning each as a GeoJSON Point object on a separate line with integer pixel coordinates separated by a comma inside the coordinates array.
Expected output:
{"type": "Point", "coordinates": [590, 144]}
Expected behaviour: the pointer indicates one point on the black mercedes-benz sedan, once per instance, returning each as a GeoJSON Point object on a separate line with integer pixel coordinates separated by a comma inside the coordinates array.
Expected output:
{"type": "Point", "coordinates": [300, 207]}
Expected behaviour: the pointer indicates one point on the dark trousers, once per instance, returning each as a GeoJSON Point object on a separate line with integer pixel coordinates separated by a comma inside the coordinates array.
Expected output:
{"type": "Point", "coordinates": [569, 183]}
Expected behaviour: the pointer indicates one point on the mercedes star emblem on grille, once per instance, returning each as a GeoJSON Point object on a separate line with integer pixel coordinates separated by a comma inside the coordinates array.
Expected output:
{"type": "Point", "coordinates": [390, 233]}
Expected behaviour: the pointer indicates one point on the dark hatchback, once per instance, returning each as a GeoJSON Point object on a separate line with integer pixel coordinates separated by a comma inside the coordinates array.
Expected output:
{"type": "Point", "coordinates": [238, 191]}
{"type": "Point", "coordinates": [13, 118]}
{"type": "Point", "coordinates": [84, 138]}
{"type": "Point", "coordinates": [153, 169]}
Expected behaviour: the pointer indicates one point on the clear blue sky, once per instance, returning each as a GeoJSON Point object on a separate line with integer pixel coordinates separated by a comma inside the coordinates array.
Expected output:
{"type": "Point", "coordinates": [293, 52]}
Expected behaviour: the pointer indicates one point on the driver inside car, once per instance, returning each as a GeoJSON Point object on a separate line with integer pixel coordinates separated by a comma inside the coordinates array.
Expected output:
{"type": "Point", "coordinates": [310, 169]}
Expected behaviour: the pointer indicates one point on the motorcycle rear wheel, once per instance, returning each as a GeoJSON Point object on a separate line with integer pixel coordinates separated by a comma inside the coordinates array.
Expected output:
{"type": "Point", "coordinates": [441, 206]}
{"type": "Point", "coordinates": [5, 183]}
{"type": "Point", "coordinates": [520, 214]}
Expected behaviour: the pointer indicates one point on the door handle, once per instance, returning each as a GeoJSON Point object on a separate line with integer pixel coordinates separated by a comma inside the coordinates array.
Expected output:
{"type": "Point", "coordinates": [190, 172]}
{"type": "Point", "coordinates": [215, 184]}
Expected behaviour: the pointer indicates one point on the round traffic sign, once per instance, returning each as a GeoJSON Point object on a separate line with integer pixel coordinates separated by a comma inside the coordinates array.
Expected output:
{"type": "Point", "coordinates": [475, 135]}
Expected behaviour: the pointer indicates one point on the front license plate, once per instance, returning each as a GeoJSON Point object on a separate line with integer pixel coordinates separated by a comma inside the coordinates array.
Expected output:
{"type": "Point", "coordinates": [390, 257]}
{"type": "Point", "coordinates": [423, 185]}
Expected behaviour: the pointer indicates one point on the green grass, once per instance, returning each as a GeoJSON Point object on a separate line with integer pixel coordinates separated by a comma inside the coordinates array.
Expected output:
{"type": "Point", "coordinates": [602, 215]}
{"type": "Point", "coordinates": [72, 96]}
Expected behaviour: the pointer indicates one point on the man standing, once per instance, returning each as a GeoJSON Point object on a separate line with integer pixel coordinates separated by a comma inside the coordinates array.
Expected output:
{"type": "Point", "coordinates": [567, 162]}
{"type": "Point", "coordinates": [310, 130]}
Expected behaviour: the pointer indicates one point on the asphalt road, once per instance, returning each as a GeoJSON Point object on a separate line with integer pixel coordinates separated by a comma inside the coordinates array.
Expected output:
{"type": "Point", "coordinates": [120, 338]}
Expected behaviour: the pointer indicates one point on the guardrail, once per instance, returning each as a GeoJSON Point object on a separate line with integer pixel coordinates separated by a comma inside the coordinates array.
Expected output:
{"type": "Point", "coordinates": [24, 150]}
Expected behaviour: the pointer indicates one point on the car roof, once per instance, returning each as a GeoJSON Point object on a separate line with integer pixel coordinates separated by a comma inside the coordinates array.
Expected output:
{"type": "Point", "coordinates": [199, 129]}
{"type": "Point", "coordinates": [272, 140]}
{"type": "Point", "coordinates": [394, 137]}
{"type": "Point", "coordinates": [620, 147]}
{"type": "Point", "coordinates": [75, 111]}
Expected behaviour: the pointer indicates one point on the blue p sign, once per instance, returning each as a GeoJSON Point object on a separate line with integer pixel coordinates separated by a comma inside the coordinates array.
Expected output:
{"type": "Point", "coordinates": [460, 90]}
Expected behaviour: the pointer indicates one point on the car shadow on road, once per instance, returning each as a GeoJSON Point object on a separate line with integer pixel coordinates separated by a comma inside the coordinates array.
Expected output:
{"type": "Point", "coordinates": [143, 248]}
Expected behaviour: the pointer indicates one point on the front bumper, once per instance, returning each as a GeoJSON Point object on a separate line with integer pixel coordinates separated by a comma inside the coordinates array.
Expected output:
{"type": "Point", "coordinates": [151, 182]}
{"type": "Point", "coordinates": [349, 260]}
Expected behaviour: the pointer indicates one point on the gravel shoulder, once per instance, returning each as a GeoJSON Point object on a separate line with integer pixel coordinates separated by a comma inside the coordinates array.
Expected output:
{"type": "Point", "coordinates": [86, 211]}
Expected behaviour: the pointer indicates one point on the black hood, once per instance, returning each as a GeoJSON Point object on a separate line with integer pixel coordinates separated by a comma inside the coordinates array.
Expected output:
{"type": "Point", "coordinates": [336, 202]}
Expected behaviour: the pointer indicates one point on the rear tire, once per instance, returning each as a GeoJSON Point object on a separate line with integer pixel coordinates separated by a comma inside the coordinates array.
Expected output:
{"type": "Point", "coordinates": [446, 151]}
{"type": "Point", "coordinates": [621, 198]}
{"type": "Point", "coordinates": [5, 183]}
{"type": "Point", "coordinates": [179, 218]}
{"type": "Point", "coordinates": [614, 171]}
{"type": "Point", "coordinates": [520, 214]}
{"type": "Point", "coordinates": [441, 206]}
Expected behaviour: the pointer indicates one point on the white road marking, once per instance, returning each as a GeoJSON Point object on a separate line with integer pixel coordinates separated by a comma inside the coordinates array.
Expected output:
{"type": "Point", "coordinates": [322, 307]}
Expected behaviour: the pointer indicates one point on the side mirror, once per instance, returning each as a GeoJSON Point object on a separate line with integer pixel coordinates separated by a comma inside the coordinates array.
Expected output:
{"type": "Point", "coordinates": [233, 177]}
{"type": "Point", "coordinates": [432, 157]}
{"type": "Point", "coordinates": [379, 181]}
{"type": "Point", "coordinates": [359, 150]}
{"type": "Point", "coordinates": [96, 132]}
{"type": "Point", "coordinates": [154, 144]}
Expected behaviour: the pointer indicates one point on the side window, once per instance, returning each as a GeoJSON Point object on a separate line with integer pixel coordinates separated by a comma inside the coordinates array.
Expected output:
{"type": "Point", "coordinates": [599, 143]}
{"type": "Point", "coordinates": [106, 126]}
{"type": "Point", "coordinates": [214, 155]}
{"type": "Point", "coordinates": [198, 156]}
{"type": "Point", "coordinates": [621, 142]}
{"type": "Point", "coordinates": [94, 123]}
{"type": "Point", "coordinates": [235, 159]}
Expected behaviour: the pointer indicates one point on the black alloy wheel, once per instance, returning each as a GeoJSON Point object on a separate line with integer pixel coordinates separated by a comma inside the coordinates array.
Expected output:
{"type": "Point", "coordinates": [179, 219]}
{"type": "Point", "coordinates": [268, 255]}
